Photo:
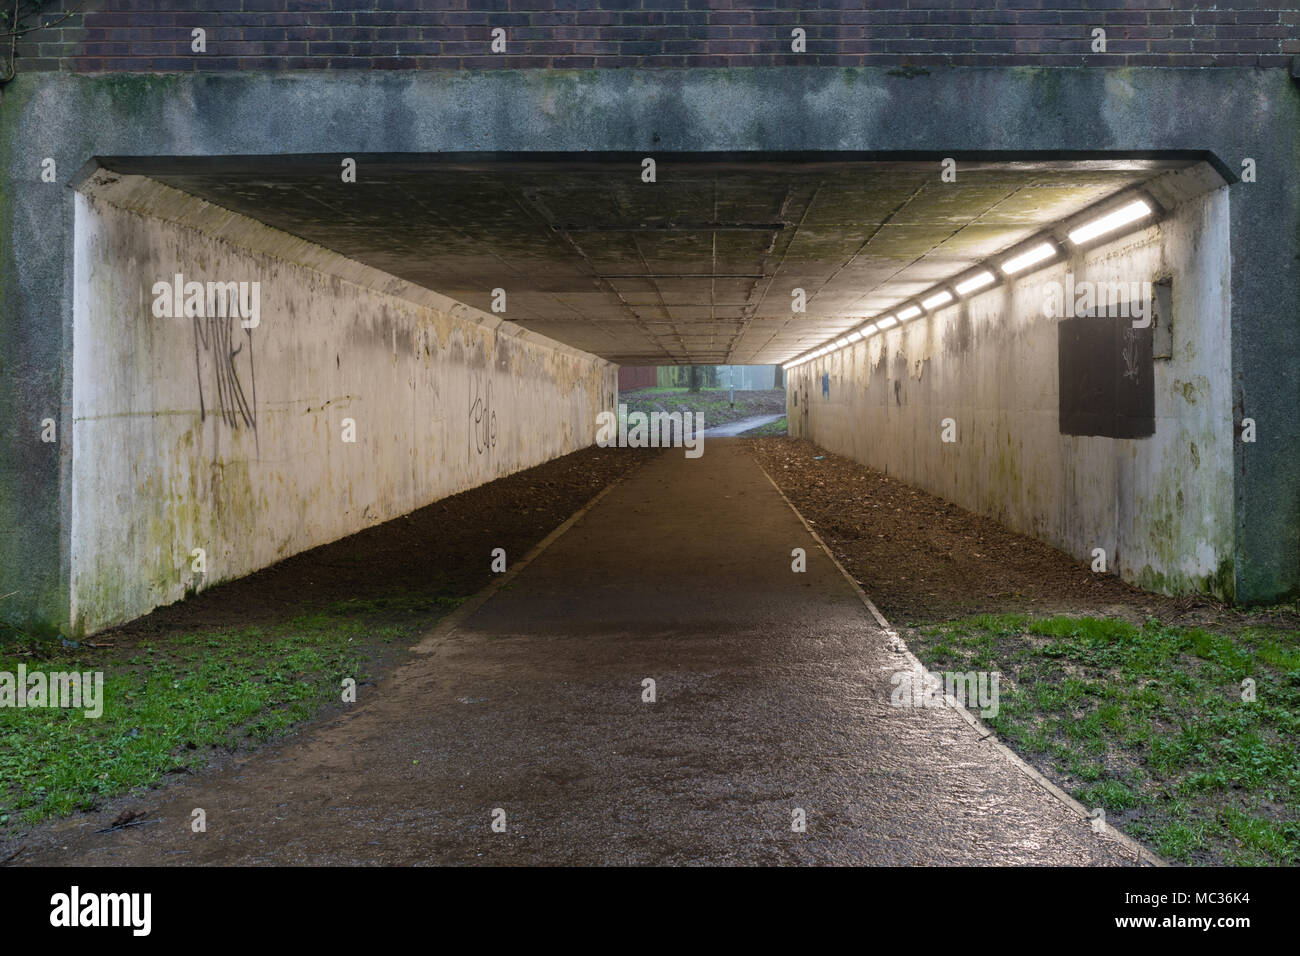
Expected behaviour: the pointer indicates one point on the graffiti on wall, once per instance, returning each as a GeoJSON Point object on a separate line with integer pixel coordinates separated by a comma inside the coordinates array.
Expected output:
{"type": "Point", "coordinates": [223, 368]}
{"type": "Point", "coordinates": [482, 416]}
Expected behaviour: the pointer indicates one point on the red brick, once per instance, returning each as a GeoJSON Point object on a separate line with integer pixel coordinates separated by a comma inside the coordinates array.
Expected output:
{"type": "Point", "coordinates": [144, 35]}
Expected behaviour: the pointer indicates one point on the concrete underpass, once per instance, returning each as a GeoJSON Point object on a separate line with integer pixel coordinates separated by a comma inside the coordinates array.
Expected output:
{"type": "Point", "coordinates": [431, 307]}
{"type": "Point", "coordinates": [464, 320]}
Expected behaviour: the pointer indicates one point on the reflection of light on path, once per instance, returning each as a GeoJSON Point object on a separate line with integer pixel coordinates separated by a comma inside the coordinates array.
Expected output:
{"type": "Point", "coordinates": [731, 429]}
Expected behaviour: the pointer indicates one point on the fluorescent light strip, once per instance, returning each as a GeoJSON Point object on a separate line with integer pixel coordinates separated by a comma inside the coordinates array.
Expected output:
{"type": "Point", "coordinates": [1038, 253]}
{"type": "Point", "coordinates": [1109, 223]}
{"type": "Point", "coordinates": [977, 281]}
{"type": "Point", "coordinates": [1131, 212]}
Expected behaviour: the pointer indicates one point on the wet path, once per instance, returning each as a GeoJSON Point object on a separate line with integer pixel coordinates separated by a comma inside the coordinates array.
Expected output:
{"type": "Point", "coordinates": [772, 694]}
{"type": "Point", "coordinates": [732, 429]}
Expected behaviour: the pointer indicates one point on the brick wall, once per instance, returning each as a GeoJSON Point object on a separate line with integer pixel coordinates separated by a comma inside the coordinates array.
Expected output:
{"type": "Point", "coordinates": [637, 376]}
{"type": "Point", "coordinates": [155, 35]}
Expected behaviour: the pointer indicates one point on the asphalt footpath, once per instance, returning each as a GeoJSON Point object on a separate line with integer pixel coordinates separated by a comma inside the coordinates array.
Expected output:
{"type": "Point", "coordinates": [656, 686]}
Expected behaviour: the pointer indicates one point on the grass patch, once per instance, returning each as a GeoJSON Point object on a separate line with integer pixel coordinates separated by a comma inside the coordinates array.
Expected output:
{"type": "Point", "coordinates": [1149, 723]}
{"type": "Point", "coordinates": [169, 702]}
{"type": "Point", "coordinates": [770, 430]}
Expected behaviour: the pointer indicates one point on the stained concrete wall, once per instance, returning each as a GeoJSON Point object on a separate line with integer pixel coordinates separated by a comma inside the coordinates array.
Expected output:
{"type": "Point", "coordinates": [195, 433]}
{"type": "Point", "coordinates": [1161, 507]}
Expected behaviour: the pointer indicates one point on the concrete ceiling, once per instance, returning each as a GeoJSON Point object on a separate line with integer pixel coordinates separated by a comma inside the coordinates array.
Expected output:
{"type": "Point", "coordinates": [696, 268]}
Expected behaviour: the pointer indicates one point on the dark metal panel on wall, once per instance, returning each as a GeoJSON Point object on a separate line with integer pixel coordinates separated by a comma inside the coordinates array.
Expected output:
{"type": "Point", "coordinates": [1107, 382]}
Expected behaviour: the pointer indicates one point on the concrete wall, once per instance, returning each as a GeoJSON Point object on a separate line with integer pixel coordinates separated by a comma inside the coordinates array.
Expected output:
{"type": "Point", "coordinates": [235, 444]}
{"type": "Point", "coordinates": [1161, 507]}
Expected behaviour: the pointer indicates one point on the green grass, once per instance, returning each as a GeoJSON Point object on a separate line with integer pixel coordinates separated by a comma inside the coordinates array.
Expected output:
{"type": "Point", "coordinates": [776, 428]}
{"type": "Point", "coordinates": [1149, 722]}
{"type": "Point", "coordinates": [167, 703]}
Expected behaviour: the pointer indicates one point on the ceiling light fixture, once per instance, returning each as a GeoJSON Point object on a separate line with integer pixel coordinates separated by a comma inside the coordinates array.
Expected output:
{"type": "Point", "coordinates": [1044, 250]}
{"type": "Point", "coordinates": [977, 281]}
{"type": "Point", "coordinates": [1122, 216]}
{"type": "Point", "coordinates": [1033, 255]}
